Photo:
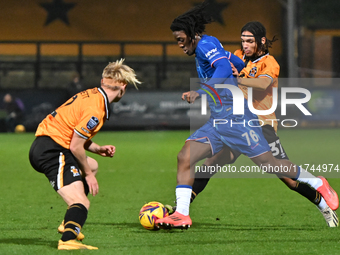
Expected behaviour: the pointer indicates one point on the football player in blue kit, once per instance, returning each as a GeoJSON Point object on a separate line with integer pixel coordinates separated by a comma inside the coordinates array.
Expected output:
{"type": "Point", "coordinates": [213, 67]}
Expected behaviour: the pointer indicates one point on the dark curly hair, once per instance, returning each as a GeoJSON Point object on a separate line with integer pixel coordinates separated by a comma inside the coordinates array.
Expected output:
{"type": "Point", "coordinates": [193, 21]}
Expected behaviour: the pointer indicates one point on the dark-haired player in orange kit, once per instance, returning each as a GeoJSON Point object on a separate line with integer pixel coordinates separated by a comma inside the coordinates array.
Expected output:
{"type": "Point", "coordinates": [62, 139]}
{"type": "Point", "coordinates": [261, 72]}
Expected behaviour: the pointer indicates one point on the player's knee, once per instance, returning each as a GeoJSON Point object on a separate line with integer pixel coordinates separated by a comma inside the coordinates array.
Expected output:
{"type": "Point", "coordinates": [84, 201]}
{"type": "Point", "coordinates": [74, 194]}
{"type": "Point", "coordinates": [183, 157]}
{"type": "Point", "coordinates": [232, 159]}
{"type": "Point", "coordinates": [87, 203]}
{"type": "Point", "coordinates": [93, 165]}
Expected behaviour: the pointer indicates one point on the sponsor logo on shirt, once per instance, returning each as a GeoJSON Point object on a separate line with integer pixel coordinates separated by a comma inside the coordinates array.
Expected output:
{"type": "Point", "coordinates": [207, 55]}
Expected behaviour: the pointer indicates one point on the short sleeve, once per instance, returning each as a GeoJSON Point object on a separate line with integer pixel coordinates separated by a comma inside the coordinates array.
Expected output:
{"type": "Point", "coordinates": [89, 124]}
{"type": "Point", "coordinates": [270, 68]}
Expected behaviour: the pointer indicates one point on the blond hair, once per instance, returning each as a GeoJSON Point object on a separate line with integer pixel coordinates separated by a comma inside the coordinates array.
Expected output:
{"type": "Point", "coordinates": [119, 72]}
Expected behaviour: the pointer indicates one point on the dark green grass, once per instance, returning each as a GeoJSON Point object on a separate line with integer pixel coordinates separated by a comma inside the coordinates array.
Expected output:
{"type": "Point", "coordinates": [232, 216]}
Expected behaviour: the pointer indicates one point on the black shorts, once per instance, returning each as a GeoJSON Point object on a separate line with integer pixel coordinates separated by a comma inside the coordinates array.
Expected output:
{"type": "Point", "coordinates": [57, 163]}
{"type": "Point", "coordinates": [273, 142]}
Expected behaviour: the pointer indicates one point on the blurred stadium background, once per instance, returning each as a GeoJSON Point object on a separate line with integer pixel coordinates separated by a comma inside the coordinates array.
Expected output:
{"type": "Point", "coordinates": [45, 44]}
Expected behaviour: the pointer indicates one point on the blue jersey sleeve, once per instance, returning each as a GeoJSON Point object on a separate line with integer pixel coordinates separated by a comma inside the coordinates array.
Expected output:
{"type": "Point", "coordinates": [237, 62]}
{"type": "Point", "coordinates": [212, 64]}
{"type": "Point", "coordinates": [222, 72]}
{"type": "Point", "coordinates": [211, 51]}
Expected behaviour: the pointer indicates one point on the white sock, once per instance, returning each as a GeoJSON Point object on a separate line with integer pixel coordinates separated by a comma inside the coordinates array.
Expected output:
{"type": "Point", "coordinates": [322, 205]}
{"type": "Point", "coordinates": [308, 178]}
{"type": "Point", "coordinates": [183, 195]}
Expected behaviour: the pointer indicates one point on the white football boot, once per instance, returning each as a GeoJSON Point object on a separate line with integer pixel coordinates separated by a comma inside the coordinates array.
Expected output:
{"type": "Point", "coordinates": [330, 217]}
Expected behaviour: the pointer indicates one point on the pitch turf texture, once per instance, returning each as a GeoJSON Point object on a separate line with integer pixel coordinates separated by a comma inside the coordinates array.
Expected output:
{"type": "Point", "coordinates": [232, 216]}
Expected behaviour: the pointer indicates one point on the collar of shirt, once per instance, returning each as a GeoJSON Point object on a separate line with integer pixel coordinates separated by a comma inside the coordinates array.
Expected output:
{"type": "Point", "coordinates": [107, 104]}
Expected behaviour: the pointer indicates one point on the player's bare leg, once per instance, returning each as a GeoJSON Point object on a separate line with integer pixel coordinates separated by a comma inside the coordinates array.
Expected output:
{"type": "Point", "coordinates": [94, 168]}
{"type": "Point", "coordinates": [190, 154]}
{"type": "Point", "coordinates": [93, 165]}
{"type": "Point", "coordinates": [223, 157]}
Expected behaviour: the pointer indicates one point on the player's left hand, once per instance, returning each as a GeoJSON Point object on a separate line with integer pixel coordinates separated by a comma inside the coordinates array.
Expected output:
{"type": "Point", "coordinates": [107, 150]}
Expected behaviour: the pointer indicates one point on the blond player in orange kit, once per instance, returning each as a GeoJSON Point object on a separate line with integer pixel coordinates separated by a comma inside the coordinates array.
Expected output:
{"type": "Point", "coordinates": [62, 139]}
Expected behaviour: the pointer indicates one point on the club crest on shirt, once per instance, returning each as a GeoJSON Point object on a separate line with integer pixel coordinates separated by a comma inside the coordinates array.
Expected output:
{"type": "Point", "coordinates": [92, 123]}
{"type": "Point", "coordinates": [253, 71]}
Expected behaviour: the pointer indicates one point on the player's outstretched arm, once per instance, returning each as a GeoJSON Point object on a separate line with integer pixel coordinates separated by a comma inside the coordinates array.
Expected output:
{"type": "Point", "coordinates": [105, 150]}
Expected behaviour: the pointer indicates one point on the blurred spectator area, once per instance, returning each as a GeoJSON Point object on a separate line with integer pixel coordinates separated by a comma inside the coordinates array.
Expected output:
{"type": "Point", "coordinates": [159, 65]}
{"type": "Point", "coordinates": [46, 64]}
{"type": "Point", "coordinates": [40, 72]}
{"type": "Point", "coordinates": [38, 104]}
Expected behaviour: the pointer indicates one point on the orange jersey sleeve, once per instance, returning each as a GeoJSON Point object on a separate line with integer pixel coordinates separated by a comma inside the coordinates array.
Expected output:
{"type": "Point", "coordinates": [265, 66]}
{"type": "Point", "coordinates": [84, 113]}
{"type": "Point", "coordinates": [239, 53]}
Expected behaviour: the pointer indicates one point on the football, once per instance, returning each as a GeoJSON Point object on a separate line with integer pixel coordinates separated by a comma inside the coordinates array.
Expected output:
{"type": "Point", "coordinates": [150, 212]}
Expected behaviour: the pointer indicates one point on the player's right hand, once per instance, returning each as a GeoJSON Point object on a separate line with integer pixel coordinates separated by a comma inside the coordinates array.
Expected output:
{"type": "Point", "coordinates": [234, 70]}
{"type": "Point", "coordinates": [93, 184]}
{"type": "Point", "coordinates": [190, 96]}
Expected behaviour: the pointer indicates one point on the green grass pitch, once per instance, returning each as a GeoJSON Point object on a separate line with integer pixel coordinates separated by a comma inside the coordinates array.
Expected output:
{"type": "Point", "coordinates": [232, 216]}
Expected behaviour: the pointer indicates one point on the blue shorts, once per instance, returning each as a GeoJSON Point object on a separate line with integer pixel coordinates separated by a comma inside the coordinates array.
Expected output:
{"type": "Point", "coordinates": [242, 137]}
